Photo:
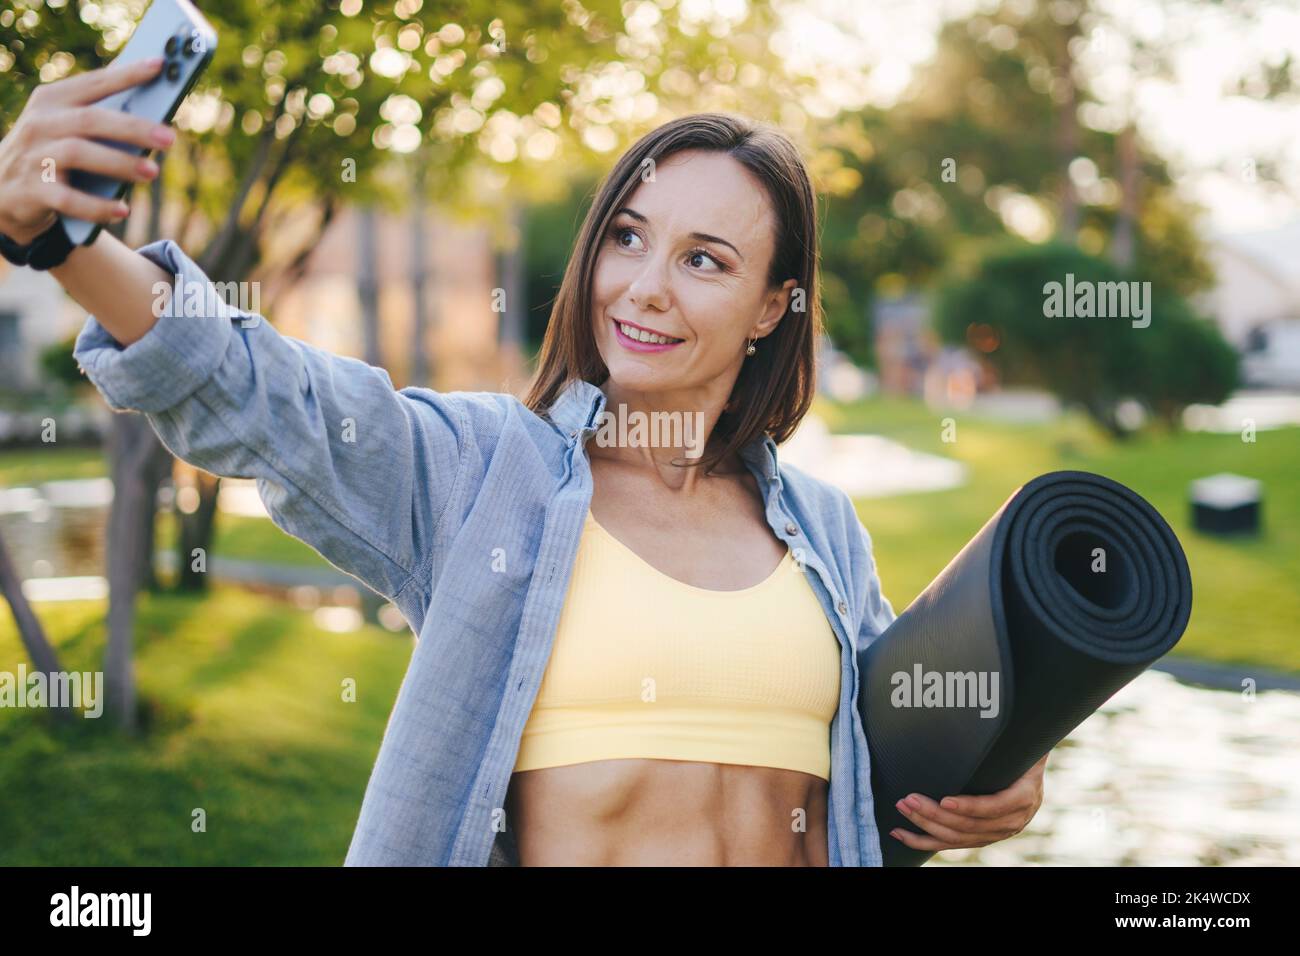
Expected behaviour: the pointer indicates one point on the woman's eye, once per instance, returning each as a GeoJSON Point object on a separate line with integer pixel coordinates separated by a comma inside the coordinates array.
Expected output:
{"type": "Point", "coordinates": [619, 233]}
{"type": "Point", "coordinates": [701, 254]}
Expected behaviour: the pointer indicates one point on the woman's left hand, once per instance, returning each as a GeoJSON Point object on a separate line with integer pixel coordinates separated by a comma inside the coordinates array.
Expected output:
{"type": "Point", "coordinates": [970, 821]}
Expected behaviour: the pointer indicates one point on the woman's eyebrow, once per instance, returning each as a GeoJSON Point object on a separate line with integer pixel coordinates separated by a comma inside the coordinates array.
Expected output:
{"type": "Point", "coordinates": [701, 236]}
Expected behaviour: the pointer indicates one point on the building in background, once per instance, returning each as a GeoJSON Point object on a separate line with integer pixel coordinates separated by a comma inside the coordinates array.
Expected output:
{"type": "Point", "coordinates": [460, 344]}
{"type": "Point", "coordinates": [34, 314]}
{"type": "Point", "coordinates": [324, 305]}
{"type": "Point", "coordinates": [1256, 302]}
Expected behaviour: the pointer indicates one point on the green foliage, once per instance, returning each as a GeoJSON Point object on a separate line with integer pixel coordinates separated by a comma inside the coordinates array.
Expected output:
{"type": "Point", "coordinates": [305, 109]}
{"type": "Point", "coordinates": [58, 365]}
{"type": "Point", "coordinates": [983, 125]}
{"type": "Point", "coordinates": [1177, 359]}
{"type": "Point", "coordinates": [550, 231]}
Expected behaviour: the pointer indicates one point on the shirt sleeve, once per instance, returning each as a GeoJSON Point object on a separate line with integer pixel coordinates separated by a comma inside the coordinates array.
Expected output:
{"type": "Point", "coordinates": [358, 470]}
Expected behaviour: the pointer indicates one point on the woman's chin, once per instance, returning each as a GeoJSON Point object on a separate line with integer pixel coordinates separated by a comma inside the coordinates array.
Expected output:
{"type": "Point", "coordinates": [633, 376]}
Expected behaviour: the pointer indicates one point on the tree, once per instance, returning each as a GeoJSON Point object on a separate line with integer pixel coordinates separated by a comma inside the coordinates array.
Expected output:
{"type": "Point", "coordinates": [987, 142]}
{"type": "Point", "coordinates": [1162, 354]}
{"type": "Point", "coordinates": [44, 658]}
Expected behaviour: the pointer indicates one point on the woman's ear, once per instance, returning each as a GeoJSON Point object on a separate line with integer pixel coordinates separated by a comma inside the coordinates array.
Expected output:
{"type": "Point", "coordinates": [778, 303]}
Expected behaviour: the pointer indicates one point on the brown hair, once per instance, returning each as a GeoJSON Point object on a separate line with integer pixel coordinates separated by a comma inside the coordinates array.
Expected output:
{"type": "Point", "coordinates": [775, 386]}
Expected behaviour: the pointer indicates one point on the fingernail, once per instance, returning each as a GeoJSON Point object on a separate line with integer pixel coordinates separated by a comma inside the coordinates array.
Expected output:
{"type": "Point", "coordinates": [948, 803]}
{"type": "Point", "coordinates": [154, 61]}
{"type": "Point", "coordinates": [163, 135]}
{"type": "Point", "coordinates": [121, 210]}
{"type": "Point", "coordinates": [148, 167]}
{"type": "Point", "coordinates": [894, 834]}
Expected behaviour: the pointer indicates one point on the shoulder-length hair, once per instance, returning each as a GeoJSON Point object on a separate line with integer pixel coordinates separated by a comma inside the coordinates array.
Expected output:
{"type": "Point", "coordinates": [775, 386]}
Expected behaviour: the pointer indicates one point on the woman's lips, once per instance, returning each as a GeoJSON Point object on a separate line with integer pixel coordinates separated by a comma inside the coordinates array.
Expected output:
{"type": "Point", "coordinates": [637, 346]}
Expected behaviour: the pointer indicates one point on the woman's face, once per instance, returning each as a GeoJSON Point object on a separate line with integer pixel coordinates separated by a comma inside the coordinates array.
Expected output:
{"type": "Point", "coordinates": [687, 257]}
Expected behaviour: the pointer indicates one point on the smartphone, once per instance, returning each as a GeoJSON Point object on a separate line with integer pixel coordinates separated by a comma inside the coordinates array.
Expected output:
{"type": "Point", "coordinates": [175, 30]}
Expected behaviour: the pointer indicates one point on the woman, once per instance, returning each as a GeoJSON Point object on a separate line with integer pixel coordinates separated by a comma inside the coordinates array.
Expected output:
{"type": "Point", "coordinates": [628, 651]}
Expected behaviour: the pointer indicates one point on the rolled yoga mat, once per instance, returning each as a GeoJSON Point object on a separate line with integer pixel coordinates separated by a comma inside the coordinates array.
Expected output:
{"type": "Point", "coordinates": [1073, 588]}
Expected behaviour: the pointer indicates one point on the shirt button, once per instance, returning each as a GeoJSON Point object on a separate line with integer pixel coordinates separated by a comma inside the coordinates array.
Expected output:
{"type": "Point", "coordinates": [844, 608]}
{"type": "Point", "coordinates": [791, 528]}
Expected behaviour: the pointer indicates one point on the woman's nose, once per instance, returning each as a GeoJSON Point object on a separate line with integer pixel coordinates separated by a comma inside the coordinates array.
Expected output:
{"type": "Point", "coordinates": [649, 288]}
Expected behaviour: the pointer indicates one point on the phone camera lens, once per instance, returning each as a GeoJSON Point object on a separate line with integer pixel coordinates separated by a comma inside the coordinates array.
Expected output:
{"type": "Point", "coordinates": [193, 44]}
{"type": "Point", "coordinates": [171, 46]}
{"type": "Point", "coordinates": [173, 70]}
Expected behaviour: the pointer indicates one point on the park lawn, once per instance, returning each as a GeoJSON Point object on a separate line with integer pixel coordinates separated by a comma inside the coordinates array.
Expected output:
{"type": "Point", "coordinates": [53, 462]}
{"type": "Point", "coordinates": [244, 716]}
{"type": "Point", "coordinates": [248, 539]}
{"type": "Point", "coordinates": [1245, 596]}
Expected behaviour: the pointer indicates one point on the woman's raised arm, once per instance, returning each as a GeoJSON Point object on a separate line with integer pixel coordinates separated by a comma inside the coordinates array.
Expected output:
{"type": "Point", "coordinates": [361, 472]}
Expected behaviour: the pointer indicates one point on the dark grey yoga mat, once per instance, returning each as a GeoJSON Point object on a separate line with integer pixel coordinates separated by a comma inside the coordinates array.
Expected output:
{"type": "Point", "coordinates": [1026, 605]}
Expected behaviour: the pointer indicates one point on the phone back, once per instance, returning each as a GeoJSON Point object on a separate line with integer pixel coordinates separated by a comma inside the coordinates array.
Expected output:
{"type": "Point", "coordinates": [175, 30]}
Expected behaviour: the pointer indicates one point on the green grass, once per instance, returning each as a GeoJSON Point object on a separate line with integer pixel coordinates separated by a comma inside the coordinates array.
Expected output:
{"type": "Point", "coordinates": [248, 539]}
{"type": "Point", "coordinates": [31, 466]}
{"type": "Point", "coordinates": [244, 718]}
{"type": "Point", "coordinates": [1245, 595]}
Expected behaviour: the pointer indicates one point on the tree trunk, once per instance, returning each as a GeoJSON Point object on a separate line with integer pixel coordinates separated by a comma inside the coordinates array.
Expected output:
{"type": "Point", "coordinates": [1067, 142]}
{"type": "Point", "coordinates": [510, 270]}
{"type": "Point", "coordinates": [196, 532]}
{"type": "Point", "coordinates": [419, 281]}
{"type": "Point", "coordinates": [368, 284]}
{"type": "Point", "coordinates": [132, 445]}
{"type": "Point", "coordinates": [155, 465]}
{"type": "Point", "coordinates": [1123, 250]}
{"type": "Point", "coordinates": [39, 649]}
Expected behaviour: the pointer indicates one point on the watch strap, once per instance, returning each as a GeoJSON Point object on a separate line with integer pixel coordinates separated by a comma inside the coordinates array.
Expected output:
{"type": "Point", "coordinates": [47, 250]}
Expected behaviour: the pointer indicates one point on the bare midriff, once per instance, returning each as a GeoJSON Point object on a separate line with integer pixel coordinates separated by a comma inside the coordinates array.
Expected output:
{"type": "Point", "coordinates": [642, 812]}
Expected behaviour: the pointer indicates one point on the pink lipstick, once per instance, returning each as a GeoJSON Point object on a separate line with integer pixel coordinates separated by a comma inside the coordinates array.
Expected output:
{"type": "Point", "coordinates": [637, 346]}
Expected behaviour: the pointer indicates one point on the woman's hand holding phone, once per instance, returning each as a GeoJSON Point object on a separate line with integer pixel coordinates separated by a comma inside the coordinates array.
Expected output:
{"type": "Point", "coordinates": [55, 133]}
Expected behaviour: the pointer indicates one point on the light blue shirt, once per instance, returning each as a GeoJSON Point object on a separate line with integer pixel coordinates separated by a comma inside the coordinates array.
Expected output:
{"type": "Point", "coordinates": [464, 509]}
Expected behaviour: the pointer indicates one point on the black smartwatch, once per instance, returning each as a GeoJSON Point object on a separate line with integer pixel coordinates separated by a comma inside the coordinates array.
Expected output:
{"type": "Point", "coordinates": [47, 250]}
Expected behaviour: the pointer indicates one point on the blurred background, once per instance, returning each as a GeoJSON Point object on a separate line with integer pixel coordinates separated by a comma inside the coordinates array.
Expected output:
{"type": "Point", "coordinates": [403, 181]}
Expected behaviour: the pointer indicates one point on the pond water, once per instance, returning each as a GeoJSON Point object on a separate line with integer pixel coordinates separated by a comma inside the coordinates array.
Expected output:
{"type": "Point", "coordinates": [1167, 774]}
{"type": "Point", "coordinates": [56, 529]}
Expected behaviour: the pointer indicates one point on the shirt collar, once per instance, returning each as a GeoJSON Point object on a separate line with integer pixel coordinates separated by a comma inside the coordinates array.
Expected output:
{"type": "Point", "coordinates": [578, 407]}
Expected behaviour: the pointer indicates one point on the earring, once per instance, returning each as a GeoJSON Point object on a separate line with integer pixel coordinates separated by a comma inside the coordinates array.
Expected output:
{"type": "Point", "coordinates": [751, 350]}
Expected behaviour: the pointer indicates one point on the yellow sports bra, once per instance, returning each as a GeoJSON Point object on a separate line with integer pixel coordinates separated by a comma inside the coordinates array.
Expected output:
{"type": "Point", "coordinates": [644, 665]}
